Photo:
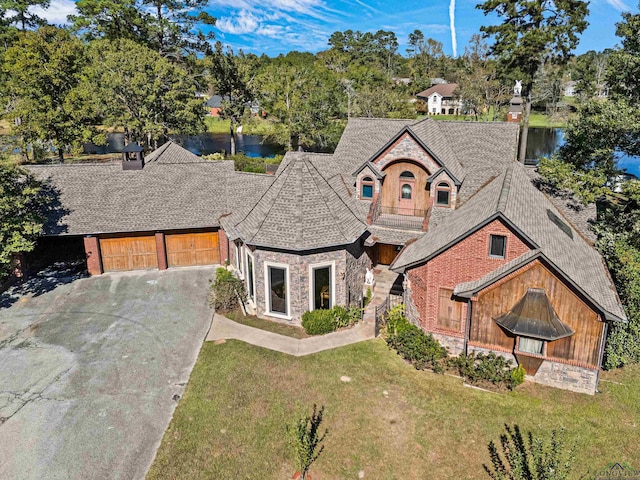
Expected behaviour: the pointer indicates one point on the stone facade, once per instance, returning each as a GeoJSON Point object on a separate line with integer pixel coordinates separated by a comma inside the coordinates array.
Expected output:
{"type": "Point", "coordinates": [455, 345]}
{"type": "Point", "coordinates": [349, 267]}
{"type": "Point", "coordinates": [569, 377]}
{"type": "Point", "coordinates": [406, 148]}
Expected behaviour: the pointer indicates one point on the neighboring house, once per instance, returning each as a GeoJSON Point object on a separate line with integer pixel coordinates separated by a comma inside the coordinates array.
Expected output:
{"type": "Point", "coordinates": [570, 88]}
{"type": "Point", "coordinates": [214, 105]}
{"type": "Point", "coordinates": [488, 261]}
{"type": "Point", "coordinates": [441, 99]}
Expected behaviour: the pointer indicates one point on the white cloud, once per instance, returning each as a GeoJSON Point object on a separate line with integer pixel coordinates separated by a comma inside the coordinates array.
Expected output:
{"type": "Point", "coordinates": [57, 11]}
{"type": "Point", "coordinates": [243, 22]}
{"type": "Point", "coordinates": [618, 5]}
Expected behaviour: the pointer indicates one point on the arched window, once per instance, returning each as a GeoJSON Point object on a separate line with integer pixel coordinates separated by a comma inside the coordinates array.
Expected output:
{"type": "Point", "coordinates": [407, 174]}
{"type": "Point", "coordinates": [366, 187]}
{"type": "Point", "coordinates": [443, 194]}
{"type": "Point", "coordinates": [406, 191]}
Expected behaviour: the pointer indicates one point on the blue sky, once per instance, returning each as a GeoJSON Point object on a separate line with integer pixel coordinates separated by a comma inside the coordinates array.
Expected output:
{"type": "Point", "coordinates": [278, 26]}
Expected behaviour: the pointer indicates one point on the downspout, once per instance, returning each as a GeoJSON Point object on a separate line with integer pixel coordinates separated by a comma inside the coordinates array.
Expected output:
{"type": "Point", "coordinates": [467, 327]}
{"type": "Point", "coordinates": [605, 330]}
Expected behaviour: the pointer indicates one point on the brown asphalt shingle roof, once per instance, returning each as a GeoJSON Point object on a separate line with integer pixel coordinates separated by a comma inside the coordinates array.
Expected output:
{"type": "Point", "coordinates": [513, 196]}
{"type": "Point", "coordinates": [299, 211]}
{"type": "Point", "coordinates": [444, 89]}
{"type": "Point", "coordinates": [175, 190]}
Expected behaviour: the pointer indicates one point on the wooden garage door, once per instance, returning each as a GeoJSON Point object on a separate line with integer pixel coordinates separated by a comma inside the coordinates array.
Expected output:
{"type": "Point", "coordinates": [186, 249]}
{"type": "Point", "coordinates": [128, 253]}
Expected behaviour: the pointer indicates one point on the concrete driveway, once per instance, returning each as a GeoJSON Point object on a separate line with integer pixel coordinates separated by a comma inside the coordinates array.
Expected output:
{"type": "Point", "coordinates": [89, 370]}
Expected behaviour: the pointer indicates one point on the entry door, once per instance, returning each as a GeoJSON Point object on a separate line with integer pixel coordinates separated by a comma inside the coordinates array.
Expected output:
{"type": "Point", "coordinates": [406, 202]}
{"type": "Point", "coordinates": [386, 253]}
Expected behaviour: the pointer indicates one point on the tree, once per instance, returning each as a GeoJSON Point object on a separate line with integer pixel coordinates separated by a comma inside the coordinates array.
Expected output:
{"type": "Point", "coordinates": [533, 33]}
{"type": "Point", "coordinates": [22, 15]}
{"type": "Point", "coordinates": [22, 207]}
{"type": "Point", "coordinates": [230, 82]}
{"type": "Point", "coordinates": [169, 26]}
{"type": "Point", "coordinates": [132, 87]}
{"type": "Point", "coordinates": [530, 458]}
{"type": "Point", "coordinates": [306, 440]}
{"type": "Point", "coordinates": [301, 97]}
{"type": "Point", "coordinates": [43, 70]}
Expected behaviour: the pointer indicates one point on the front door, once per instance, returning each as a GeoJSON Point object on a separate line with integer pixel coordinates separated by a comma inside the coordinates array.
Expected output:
{"type": "Point", "coordinates": [406, 202]}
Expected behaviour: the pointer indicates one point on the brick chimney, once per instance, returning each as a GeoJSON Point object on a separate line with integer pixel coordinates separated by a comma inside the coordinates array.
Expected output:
{"type": "Point", "coordinates": [133, 157]}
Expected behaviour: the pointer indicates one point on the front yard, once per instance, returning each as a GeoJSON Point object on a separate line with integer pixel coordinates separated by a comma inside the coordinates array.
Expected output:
{"type": "Point", "coordinates": [390, 421]}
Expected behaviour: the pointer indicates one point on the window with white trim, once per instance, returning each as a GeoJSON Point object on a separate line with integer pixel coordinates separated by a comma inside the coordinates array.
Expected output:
{"type": "Point", "coordinates": [322, 286]}
{"type": "Point", "coordinates": [250, 278]}
{"type": "Point", "coordinates": [277, 289]}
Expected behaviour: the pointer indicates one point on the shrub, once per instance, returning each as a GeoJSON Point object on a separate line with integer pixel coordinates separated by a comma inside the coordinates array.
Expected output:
{"type": "Point", "coordinates": [517, 376]}
{"type": "Point", "coordinates": [490, 367]}
{"type": "Point", "coordinates": [318, 322]}
{"type": "Point", "coordinates": [412, 343]}
{"type": "Point", "coordinates": [227, 292]}
{"type": "Point", "coordinates": [306, 440]}
{"type": "Point", "coordinates": [367, 297]}
{"type": "Point", "coordinates": [529, 458]}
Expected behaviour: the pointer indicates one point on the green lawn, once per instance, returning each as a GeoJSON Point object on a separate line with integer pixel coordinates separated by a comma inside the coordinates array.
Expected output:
{"type": "Point", "coordinates": [217, 125]}
{"type": "Point", "coordinates": [230, 423]}
{"type": "Point", "coordinates": [269, 325]}
{"type": "Point", "coordinates": [541, 120]}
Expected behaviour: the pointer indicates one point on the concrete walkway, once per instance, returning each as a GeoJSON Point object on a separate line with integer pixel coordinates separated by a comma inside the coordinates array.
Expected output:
{"type": "Point", "coordinates": [223, 329]}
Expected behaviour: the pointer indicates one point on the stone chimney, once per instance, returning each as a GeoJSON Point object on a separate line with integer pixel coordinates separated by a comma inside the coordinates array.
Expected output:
{"type": "Point", "coordinates": [133, 157]}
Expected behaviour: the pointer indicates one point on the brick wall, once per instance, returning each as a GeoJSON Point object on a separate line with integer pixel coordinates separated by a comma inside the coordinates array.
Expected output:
{"type": "Point", "coordinates": [92, 250]}
{"type": "Point", "coordinates": [466, 261]}
{"type": "Point", "coordinates": [223, 244]}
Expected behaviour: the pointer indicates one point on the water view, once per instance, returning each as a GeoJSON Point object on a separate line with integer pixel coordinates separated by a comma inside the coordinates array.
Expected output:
{"type": "Point", "coordinates": [542, 142]}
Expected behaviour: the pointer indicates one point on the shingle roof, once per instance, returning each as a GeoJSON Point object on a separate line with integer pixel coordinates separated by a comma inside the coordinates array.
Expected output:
{"type": "Point", "coordinates": [166, 194]}
{"type": "Point", "coordinates": [299, 211]}
{"type": "Point", "coordinates": [444, 89]}
{"type": "Point", "coordinates": [512, 197]}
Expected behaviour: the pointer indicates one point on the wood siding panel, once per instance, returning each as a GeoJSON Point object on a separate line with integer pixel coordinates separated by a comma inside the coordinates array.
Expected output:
{"type": "Point", "coordinates": [391, 185]}
{"type": "Point", "coordinates": [128, 253]}
{"type": "Point", "coordinates": [190, 249]}
{"type": "Point", "coordinates": [582, 347]}
{"type": "Point", "coordinates": [449, 311]}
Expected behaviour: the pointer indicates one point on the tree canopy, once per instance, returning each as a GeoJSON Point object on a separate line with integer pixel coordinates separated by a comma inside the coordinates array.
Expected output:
{"type": "Point", "coordinates": [530, 35]}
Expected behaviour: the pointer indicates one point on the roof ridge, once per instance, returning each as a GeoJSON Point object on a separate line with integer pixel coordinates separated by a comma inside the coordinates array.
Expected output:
{"type": "Point", "coordinates": [503, 198]}
{"type": "Point", "coordinates": [250, 210]}
{"type": "Point", "coordinates": [299, 166]}
{"type": "Point", "coordinates": [336, 193]}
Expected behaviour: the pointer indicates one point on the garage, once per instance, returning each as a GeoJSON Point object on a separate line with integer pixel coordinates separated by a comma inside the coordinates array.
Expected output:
{"type": "Point", "coordinates": [128, 253]}
{"type": "Point", "coordinates": [190, 249]}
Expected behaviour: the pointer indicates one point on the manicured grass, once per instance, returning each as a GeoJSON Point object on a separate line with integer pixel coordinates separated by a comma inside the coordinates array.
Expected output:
{"type": "Point", "coordinates": [217, 125]}
{"type": "Point", "coordinates": [541, 120]}
{"type": "Point", "coordinates": [268, 325]}
{"type": "Point", "coordinates": [231, 421]}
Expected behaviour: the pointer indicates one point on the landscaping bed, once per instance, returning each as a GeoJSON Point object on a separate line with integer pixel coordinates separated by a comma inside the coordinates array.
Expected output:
{"type": "Point", "coordinates": [389, 421]}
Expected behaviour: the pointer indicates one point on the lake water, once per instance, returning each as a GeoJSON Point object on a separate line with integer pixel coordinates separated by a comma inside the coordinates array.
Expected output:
{"type": "Point", "coordinates": [204, 144]}
{"type": "Point", "coordinates": [542, 142]}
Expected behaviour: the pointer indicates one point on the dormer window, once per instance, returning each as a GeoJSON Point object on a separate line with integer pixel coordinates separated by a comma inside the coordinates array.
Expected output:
{"type": "Point", "coordinates": [367, 187]}
{"type": "Point", "coordinates": [443, 194]}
